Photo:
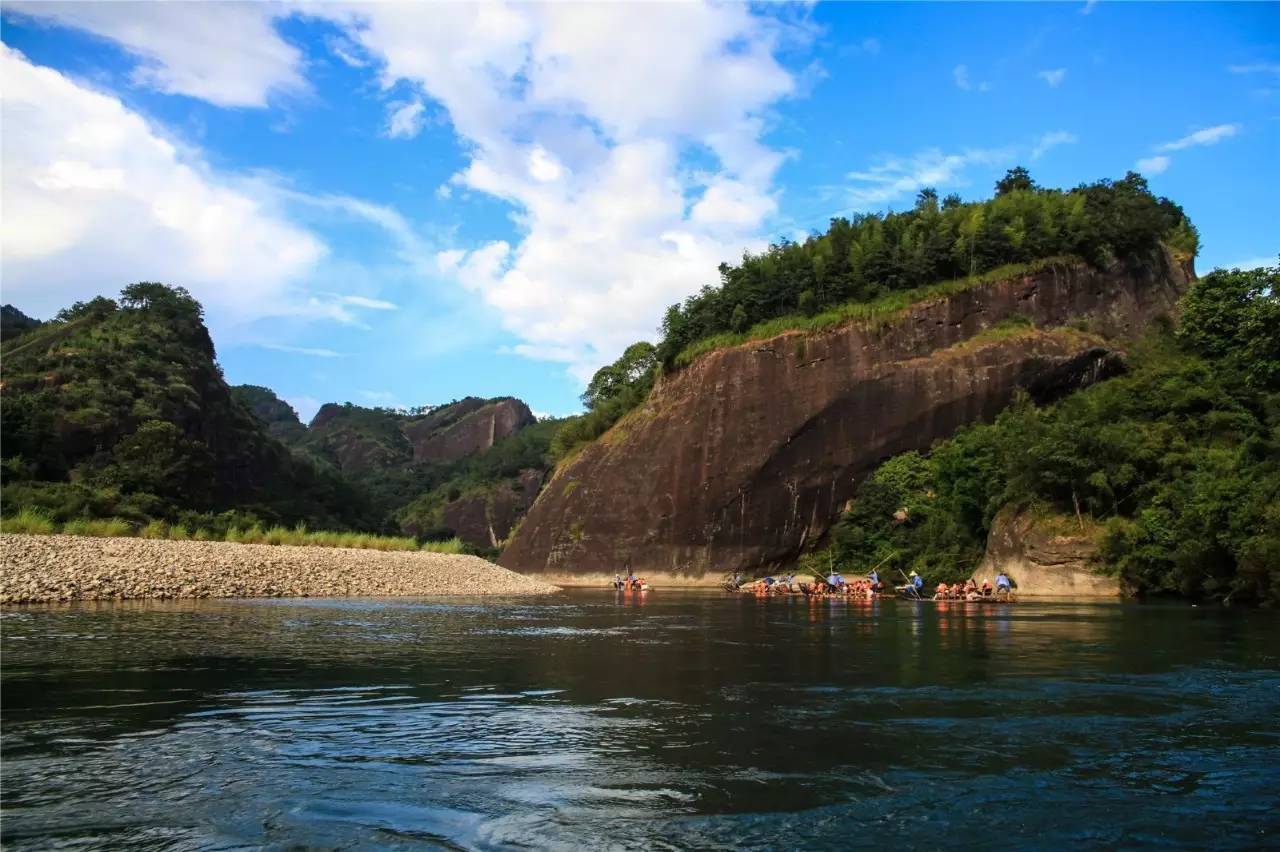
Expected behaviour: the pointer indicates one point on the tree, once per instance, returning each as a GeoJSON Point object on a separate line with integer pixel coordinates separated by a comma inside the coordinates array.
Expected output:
{"type": "Point", "coordinates": [1014, 180]}
{"type": "Point", "coordinates": [635, 366]}
{"type": "Point", "coordinates": [1236, 315]}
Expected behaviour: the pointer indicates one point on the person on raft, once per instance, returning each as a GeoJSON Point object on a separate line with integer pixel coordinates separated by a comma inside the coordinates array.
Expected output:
{"type": "Point", "coordinates": [942, 593]}
{"type": "Point", "coordinates": [917, 583]}
{"type": "Point", "coordinates": [1003, 584]}
{"type": "Point", "coordinates": [874, 577]}
{"type": "Point", "coordinates": [835, 581]}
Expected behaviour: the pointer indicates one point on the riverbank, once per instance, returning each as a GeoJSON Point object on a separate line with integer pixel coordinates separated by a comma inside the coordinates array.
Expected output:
{"type": "Point", "coordinates": [39, 569]}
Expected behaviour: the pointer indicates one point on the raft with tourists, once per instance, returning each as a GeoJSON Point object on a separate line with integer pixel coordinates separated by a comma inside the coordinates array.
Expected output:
{"type": "Point", "coordinates": [871, 587]}
{"type": "Point", "coordinates": [630, 583]}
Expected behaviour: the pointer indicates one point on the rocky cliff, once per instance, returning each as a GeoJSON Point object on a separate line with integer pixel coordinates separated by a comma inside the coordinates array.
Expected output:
{"type": "Point", "coordinates": [1046, 555]}
{"type": "Point", "coordinates": [750, 453]}
{"type": "Point", "coordinates": [360, 441]}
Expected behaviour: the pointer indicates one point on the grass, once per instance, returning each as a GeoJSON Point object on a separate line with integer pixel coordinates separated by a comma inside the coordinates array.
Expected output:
{"type": "Point", "coordinates": [30, 521]}
{"type": "Point", "coordinates": [879, 311]}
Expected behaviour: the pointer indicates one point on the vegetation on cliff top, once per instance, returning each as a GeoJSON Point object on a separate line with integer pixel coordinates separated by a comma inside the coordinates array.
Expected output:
{"type": "Point", "coordinates": [873, 267]}
{"type": "Point", "coordinates": [1179, 461]}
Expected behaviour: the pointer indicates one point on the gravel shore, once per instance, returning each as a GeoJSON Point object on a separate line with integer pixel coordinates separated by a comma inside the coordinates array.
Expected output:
{"type": "Point", "coordinates": [41, 569]}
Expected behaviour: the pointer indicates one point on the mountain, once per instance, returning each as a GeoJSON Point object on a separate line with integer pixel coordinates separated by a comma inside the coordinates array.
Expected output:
{"type": "Point", "coordinates": [119, 408]}
{"type": "Point", "coordinates": [750, 453]}
{"type": "Point", "coordinates": [279, 418]}
{"type": "Point", "coordinates": [737, 440]}
{"type": "Point", "coordinates": [469, 468]}
{"type": "Point", "coordinates": [14, 323]}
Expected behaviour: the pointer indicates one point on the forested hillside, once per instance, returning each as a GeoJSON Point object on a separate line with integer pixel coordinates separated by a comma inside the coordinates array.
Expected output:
{"type": "Point", "coordinates": [118, 408]}
{"type": "Point", "coordinates": [874, 266]}
{"type": "Point", "coordinates": [1178, 462]}
{"type": "Point", "coordinates": [278, 416]}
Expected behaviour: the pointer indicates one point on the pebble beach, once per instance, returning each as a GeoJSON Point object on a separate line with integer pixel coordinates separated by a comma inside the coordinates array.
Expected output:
{"type": "Point", "coordinates": [57, 568]}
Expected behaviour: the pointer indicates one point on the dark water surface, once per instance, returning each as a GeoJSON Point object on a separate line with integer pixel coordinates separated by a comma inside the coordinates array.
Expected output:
{"type": "Point", "coordinates": [683, 720]}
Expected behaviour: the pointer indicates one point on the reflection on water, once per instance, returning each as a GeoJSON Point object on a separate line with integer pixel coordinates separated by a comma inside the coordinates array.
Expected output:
{"type": "Point", "coordinates": [676, 720]}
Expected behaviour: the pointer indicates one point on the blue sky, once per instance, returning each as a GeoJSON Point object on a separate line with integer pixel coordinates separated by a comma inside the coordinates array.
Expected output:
{"type": "Point", "coordinates": [402, 205]}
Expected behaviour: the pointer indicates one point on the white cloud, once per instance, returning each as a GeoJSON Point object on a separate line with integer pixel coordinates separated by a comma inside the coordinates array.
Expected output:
{"type": "Point", "coordinates": [96, 198]}
{"type": "Point", "coordinates": [405, 119]}
{"type": "Point", "coordinates": [581, 117]}
{"type": "Point", "coordinates": [1049, 141]}
{"type": "Point", "coordinates": [1154, 165]}
{"type": "Point", "coordinates": [383, 398]}
{"type": "Point", "coordinates": [1053, 76]}
{"type": "Point", "coordinates": [898, 177]}
{"type": "Point", "coordinates": [1206, 136]}
{"type": "Point", "coordinates": [302, 350]}
{"type": "Point", "coordinates": [226, 53]}
{"type": "Point", "coordinates": [1087, 8]}
{"type": "Point", "coordinates": [366, 302]}
{"type": "Point", "coordinates": [1268, 68]}
{"type": "Point", "coordinates": [964, 82]}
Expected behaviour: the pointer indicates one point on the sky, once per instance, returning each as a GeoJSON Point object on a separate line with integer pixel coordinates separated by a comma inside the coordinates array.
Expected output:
{"type": "Point", "coordinates": [402, 205]}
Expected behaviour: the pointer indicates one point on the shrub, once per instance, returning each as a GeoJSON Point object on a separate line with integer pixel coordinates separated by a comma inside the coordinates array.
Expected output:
{"type": "Point", "coordinates": [178, 532]}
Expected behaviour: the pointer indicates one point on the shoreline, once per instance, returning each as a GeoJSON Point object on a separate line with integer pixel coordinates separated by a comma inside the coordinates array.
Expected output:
{"type": "Point", "coordinates": [63, 568]}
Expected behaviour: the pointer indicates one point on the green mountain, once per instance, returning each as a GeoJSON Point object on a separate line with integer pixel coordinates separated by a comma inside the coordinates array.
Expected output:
{"type": "Point", "coordinates": [14, 323]}
{"type": "Point", "coordinates": [1176, 465]}
{"type": "Point", "coordinates": [119, 408]}
{"type": "Point", "coordinates": [415, 465]}
{"type": "Point", "coordinates": [279, 418]}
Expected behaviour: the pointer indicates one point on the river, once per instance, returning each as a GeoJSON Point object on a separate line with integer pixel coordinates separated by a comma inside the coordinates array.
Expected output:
{"type": "Point", "coordinates": [673, 720]}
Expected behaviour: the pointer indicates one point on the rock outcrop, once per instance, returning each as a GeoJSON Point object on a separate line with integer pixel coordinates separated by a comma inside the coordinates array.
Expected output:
{"type": "Point", "coordinates": [750, 453]}
{"type": "Point", "coordinates": [485, 518]}
{"type": "Point", "coordinates": [1046, 555]}
{"type": "Point", "coordinates": [479, 429]}
{"type": "Point", "coordinates": [362, 440]}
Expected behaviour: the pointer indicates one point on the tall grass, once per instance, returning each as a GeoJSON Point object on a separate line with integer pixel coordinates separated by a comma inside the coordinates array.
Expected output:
{"type": "Point", "coordinates": [30, 521]}
{"type": "Point", "coordinates": [98, 527]}
{"type": "Point", "coordinates": [879, 311]}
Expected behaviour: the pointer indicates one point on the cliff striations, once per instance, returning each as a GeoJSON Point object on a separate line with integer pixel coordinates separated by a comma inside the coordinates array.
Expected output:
{"type": "Point", "coordinates": [751, 452]}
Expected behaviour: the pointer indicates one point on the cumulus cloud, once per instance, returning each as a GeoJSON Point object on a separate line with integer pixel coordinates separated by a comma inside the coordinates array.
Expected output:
{"type": "Point", "coordinates": [1053, 76]}
{"type": "Point", "coordinates": [404, 120]}
{"type": "Point", "coordinates": [1205, 136]}
{"type": "Point", "coordinates": [582, 119]}
{"type": "Point", "coordinates": [229, 54]}
{"type": "Point", "coordinates": [95, 198]}
{"type": "Point", "coordinates": [1154, 165]}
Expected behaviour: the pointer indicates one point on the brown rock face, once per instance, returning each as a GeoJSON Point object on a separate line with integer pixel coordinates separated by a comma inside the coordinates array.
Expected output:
{"type": "Point", "coordinates": [476, 430]}
{"type": "Point", "coordinates": [1046, 555]}
{"type": "Point", "coordinates": [484, 519]}
{"type": "Point", "coordinates": [750, 453]}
